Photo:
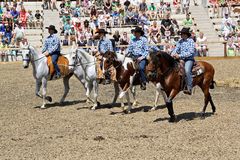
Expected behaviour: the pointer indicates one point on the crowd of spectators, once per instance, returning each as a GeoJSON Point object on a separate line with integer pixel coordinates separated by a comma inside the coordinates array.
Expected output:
{"type": "Point", "coordinates": [14, 19]}
{"type": "Point", "coordinates": [80, 22]}
{"type": "Point", "coordinates": [230, 27]}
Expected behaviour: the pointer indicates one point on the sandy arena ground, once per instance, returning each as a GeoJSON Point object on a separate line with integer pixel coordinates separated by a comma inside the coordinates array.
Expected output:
{"type": "Point", "coordinates": [75, 132]}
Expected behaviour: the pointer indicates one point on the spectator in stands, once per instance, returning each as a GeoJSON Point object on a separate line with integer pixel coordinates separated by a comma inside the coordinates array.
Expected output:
{"type": "Point", "coordinates": [225, 8]}
{"type": "Point", "coordinates": [18, 34]}
{"type": "Point", "coordinates": [215, 6]}
{"type": "Point", "coordinates": [7, 37]}
{"type": "Point", "coordinates": [130, 17]}
{"type": "Point", "coordinates": [152, 11]}
{"type": "Point", "coordinates": [202, 44]}
{"type": "Point", "coordinates": [23, 17]}
{"type": "Point", "coordinates": [188, 22]}
{"type": "Point", "coordinates": [167, 26]}
{"type": "Point", "coordinates": [143, 6]}
{"type": "Point", "coordinates": [53, 3]}
{"type": "Point", "coordinates": [227, 19]}
{"type": "Point", "coordinates": [38, 16]}
{"type": "Point", "coordinates": [121, 13]}
{"type": "Point", "coordinates": [227, 30]}
{"type": "Point", "coordinates": [125, 39]}
{"type": "Point", "coordinates": [185, 6]}
{"type": "Point", "coordinates": [82, 41]}
{"type": "Point", "coordinates": [108, 6]}
{"type": "Point", "coordinates": [15, 14]}
{"type": "Point", "coordinates": [154, 30]}
{"type": "Point", "coordinates": [73, 36]}
{"type": "Point", "coordinates": [2, 28]}
{"type": "Point", "coordinates": [127, 3]}
{"type": "Point", "coordinates": [30, 20]}
{"type": "Point", "coordinates": [67, 28]}
{"type": "Point", "coordinates": [176, 5]}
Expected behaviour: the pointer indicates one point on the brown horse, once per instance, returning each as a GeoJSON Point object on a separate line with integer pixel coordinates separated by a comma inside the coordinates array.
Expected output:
{"type": "Point", "coordinates": [164, 69]}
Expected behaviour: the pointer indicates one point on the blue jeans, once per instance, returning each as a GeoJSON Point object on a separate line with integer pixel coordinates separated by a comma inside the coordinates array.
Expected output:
{"type": "Point", "coordinates": [55, 56]}
{"type": "Point", "coordinates": [142, 65]}
{"type": "Point", "coordinates": [188, 71]}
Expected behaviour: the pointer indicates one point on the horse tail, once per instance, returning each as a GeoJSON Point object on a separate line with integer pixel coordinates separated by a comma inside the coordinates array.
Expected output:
{"type": "Point", "coordinates": [212, 84]}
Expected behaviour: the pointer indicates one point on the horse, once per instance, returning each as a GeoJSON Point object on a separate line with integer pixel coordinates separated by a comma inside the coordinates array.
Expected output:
{"type": "Point", "coordinates": [126, 76]}
{"type": "Point", "coordinates": [41, 74]}
{"type": "Point", "coordinates": [162, 68]}
{"type": "Point", "coordinates": [84, 66]}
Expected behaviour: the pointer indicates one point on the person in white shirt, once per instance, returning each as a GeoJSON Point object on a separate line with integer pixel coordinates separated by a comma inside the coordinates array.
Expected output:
{"type": "Point", "coordinates": [202, 45]}
{"type": "Point", "coordinates": [18, 34]}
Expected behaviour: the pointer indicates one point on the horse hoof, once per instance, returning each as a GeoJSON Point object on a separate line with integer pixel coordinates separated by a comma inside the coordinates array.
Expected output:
{"type": "Point", "coordinates": [49, 99]}
{"type": "Point", "coordinates": [153, 109]}
{"type": "Point", "coordinates": [98, 103]}
{"type": "Point", "coordinates": [135, 104]}
{"type": "Point", "coordinates": [43, 107]}
{"type": "Point", "coordinates": [172, 119]}
{"type": "Point", "coordinates": [126, 111]}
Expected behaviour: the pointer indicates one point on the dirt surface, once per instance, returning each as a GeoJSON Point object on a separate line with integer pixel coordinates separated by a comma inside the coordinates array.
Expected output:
{"type": "Point", "coordinates": [73, 131]}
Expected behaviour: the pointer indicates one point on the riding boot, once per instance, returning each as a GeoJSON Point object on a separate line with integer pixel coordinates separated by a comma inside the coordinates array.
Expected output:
{"type": "Point", "coordinates": [188, 91]}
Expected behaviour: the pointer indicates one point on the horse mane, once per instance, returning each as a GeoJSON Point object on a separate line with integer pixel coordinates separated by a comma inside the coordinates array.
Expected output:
{"type": "Point", "coordinates": [171, 61]}
{"type": "Point", "coordinates": [84, 54]}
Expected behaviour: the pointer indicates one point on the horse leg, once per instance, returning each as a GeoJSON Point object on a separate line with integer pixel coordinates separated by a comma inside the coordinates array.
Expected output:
{"type": "Point", "coordinates": [169, 105]}
{"type": "Point", "coordinates": [121, 98]}
{"type": "Point", "coordinates": [116, 88]}
{"type": "Point", "coordinates": [95, 95]}
{"type": "Point", "coordinates": [207, 98]}
{"type": "Point", "coordinates": [133, 91]}
{"type": "Point", "coordinates": [158, 91]}
{"type": "Point", "coordinates": [44, 92]}
{"type": "Point", "coordinates": [66, 88]}
{"type": "Point", "coordinates": [88, 92]}
{"type": "Point", "coordinates": [212, 104]}
{"type": "Point", "coordinates": [38, 86]}
{"type": "Point", "coordinates": [128, 110]}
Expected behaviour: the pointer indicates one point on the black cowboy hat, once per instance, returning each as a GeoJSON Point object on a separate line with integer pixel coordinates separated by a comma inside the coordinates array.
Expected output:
{"type": "Point", "coordinates": [139, 30]}
{"type": "Point", "coordinates": [186, 31]}
{"type": "Point", "coordinates": [102, 31]}
{"type": "Point", "coordinates": [52, 27]}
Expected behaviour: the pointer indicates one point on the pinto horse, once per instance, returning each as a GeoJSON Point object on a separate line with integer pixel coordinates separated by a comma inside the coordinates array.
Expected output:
{"type": "Point", "coordinates": [125, 74]}
{"type": "Point", "coordinates": [163, 68]}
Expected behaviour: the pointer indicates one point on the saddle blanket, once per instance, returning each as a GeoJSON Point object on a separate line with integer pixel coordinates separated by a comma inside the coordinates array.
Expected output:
{"type": "Point", "coordinates": [62, 64]}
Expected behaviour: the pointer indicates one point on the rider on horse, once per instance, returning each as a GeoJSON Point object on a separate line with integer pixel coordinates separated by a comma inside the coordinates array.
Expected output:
{"type": "Point", "coordinates": [138, 49]}
{"type": "Point", "coordinates": [104, 45]}
{"type": "Point", "coordinates": [185, 50]}
{"type": "Point", "coordinates": [51, 47]}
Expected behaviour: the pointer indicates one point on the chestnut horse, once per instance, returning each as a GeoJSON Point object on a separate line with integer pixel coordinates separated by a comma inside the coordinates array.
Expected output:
{"type": "Point", "coordinates": [163, 68]}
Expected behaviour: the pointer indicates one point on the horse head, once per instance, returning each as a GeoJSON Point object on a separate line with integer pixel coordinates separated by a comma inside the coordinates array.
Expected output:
{"type": "Point", "coordinates": [72, 58]}
{"type": "Point", "coordinates": [26, 55]}
{"type": "Point", "coordinates": [108, 60]}
{"type": "Point", "coordinates": [159, 63]}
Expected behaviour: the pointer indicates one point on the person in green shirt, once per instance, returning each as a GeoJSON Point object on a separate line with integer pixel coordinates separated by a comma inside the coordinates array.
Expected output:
{"type": "Point", "coordinates": [187, 23]}
{"type": "Point", "coordinates": [152, 11]}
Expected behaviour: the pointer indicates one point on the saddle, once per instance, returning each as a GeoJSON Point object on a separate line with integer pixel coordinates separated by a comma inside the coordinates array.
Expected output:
{"type": "Point", "coordinates": [62, 64]}
{"type": "Point", "coordinates": [197, 70]}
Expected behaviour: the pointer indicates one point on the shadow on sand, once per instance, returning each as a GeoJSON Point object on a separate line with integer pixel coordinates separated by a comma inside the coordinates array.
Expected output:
{"type": "Point", "coordinates": [189, 116]}
{"type": "Point", "coordinates": [64, 104]}
{"type": "Point", "coordinates": [139, 109]}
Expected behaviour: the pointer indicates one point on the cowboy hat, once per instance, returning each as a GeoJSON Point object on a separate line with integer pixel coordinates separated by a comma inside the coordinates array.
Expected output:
{"type": "Point", "coordinates": [52, 27]}
{"type": "Point", "coordinates": [186, 31]}
{"type": "Point", "coordinates": [102, 31]}
{"type": "Point", "coordinates": [139, 30]}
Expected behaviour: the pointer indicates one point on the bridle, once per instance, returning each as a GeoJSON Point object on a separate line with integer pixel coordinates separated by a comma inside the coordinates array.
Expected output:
{"type": "Point", "coordinates": [28, 59]}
